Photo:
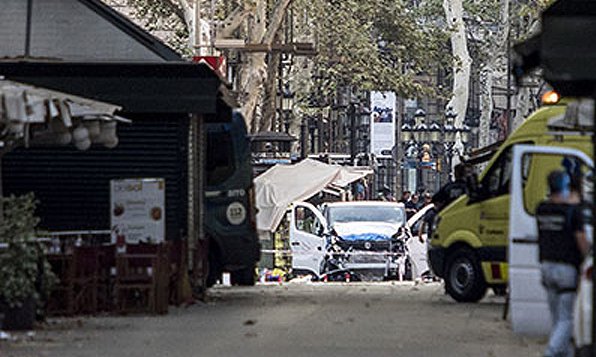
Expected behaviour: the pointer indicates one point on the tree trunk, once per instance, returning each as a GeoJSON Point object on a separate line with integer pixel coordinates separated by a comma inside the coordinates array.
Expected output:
{"type": "Point", "coordinates": [494, 68]}
{"type": "Point", "coordinates": [461, 71]}
{"type": "Point", "coordinates": [255, 73]}
{"type": "Point", "coordinates": [269, 104]}
{"type": "Point", "coordinates": [486, 105]}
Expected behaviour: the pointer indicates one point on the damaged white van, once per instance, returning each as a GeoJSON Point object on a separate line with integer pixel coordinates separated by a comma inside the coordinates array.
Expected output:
{"type": "Point", "coordinates": [366, 239]}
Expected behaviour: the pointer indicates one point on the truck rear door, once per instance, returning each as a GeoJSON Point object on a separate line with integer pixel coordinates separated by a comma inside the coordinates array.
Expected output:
{"type": "Point", "coordinates": [529, 308]}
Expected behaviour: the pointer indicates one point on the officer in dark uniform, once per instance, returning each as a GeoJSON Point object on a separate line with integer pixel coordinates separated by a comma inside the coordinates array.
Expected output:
{"type": "Point", "coordinates": [562, 245]}
{"type": "Point", "coordinates": [451, 191]}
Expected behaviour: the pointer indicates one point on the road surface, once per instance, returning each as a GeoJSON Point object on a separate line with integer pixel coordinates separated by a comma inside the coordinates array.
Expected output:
{"type": "Point", "coordinates": [307, 319]}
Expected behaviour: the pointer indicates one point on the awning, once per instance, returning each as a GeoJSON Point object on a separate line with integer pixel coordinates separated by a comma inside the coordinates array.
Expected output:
{"type": "Point", "coordinates": [173, 87]}
{"type": "Point", "coordinates": [37, 116]}
{"type": "Point", "coordinates": [281, 185]}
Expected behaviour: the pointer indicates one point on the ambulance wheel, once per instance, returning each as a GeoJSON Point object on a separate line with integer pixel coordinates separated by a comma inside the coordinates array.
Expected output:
{"type": "Point", "coordinates": [464, 281]}
{"type": "Point", "coordinates": [243, 277]}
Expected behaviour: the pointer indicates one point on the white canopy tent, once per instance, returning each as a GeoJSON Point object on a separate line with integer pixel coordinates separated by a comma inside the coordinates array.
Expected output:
{"type": "Point", "coordinates": [281, 185]}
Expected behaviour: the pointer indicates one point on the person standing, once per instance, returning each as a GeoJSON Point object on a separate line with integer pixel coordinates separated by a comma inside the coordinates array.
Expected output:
{"type": "Point", "coordinates": [453, 190]}
{"type": "Point", "coordinates": [405, 197]}
{"type": "Point", "coordinates": [562, 244]}
{"type": "Point", "coordinates": [412, 206]}
{"type": "Point", "coordinates": [386, 194]}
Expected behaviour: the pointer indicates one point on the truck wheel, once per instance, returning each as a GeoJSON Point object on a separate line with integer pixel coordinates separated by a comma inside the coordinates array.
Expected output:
{"type": "Point", "coordinates": [464, 281]}
{"type": "Point", "coordinates": [243, 277]}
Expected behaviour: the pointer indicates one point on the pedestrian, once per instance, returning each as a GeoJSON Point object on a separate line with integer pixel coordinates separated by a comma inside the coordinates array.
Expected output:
{"type": "Point", "coordinates": [428, 199]}
{"type": "Point", "coordinates": [453, 190]}
{"type": "Point", "coordinates": [562, 245]}
{"type": "Point", "coordinates": [405, 197]}
{"type": "Point", "coordinates": [412, 206]}
{"type": "Point", "coordinates": [386, 194]}
{"type": "Point", "coordinates": [360, 191]}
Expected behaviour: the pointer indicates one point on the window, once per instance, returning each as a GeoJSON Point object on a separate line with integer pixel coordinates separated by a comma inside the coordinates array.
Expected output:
{"type": "Point", "coordinates": [536, 186]}
{"type": "Point", "coordinates": [496, 181]}
{"type": "Point", "coordinates": [345, 214]}
{"type": "Point", "coordinates": [306, 221]}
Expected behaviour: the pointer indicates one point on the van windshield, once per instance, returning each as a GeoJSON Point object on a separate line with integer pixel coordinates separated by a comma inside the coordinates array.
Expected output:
{"type": "Point", "coordinates": [220, 157]}
{"type": "Point", "coordinates": [387, 214]}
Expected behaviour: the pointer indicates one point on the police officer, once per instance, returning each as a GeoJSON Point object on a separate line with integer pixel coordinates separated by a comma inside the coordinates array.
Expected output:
{"type": "Point", "coordinates": [451, 191]}
{"type": "Point", "coordinates": [562, 245]}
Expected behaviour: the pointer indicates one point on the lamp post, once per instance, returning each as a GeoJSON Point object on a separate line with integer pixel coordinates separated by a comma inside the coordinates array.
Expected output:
{"type": "Point", "coordinates": [312, 127]}
{"type": "Point", "coordinates": [364, 127]}
{"type": "Point", "coordinates": [451, 131]}
{"type": "Point", "coordinates": [419, 140]}
{"type": "Point", "coordinates": [287, 105]}
{"type": "Point", "coordinates": [354, 117]}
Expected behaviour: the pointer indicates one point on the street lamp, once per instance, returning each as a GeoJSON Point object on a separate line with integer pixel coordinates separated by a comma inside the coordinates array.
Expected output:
{"type": "Point", "coordinates": [465, 134]}
{"type": "Point", "coordinates": [451, 131]}
{"type": "Point", "coordinates": [287, 105]}
{"type": "Point", "coordinates": [420, 129]}
{"type": "Point", "coordinates": [449, 127]}
{"type": "Point", "coordinates": [406, 133]}
{"type": "Point", "coordinates": [435, 132]}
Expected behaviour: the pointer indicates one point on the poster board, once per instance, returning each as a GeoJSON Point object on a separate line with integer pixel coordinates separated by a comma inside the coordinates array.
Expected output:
{"type": "Point", "coordinates": [137, 210]}
{"type": "Point", "coordinates": [382, 108]}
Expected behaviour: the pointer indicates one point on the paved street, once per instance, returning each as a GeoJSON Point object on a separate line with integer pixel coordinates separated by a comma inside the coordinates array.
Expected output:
{"type": "Point", "coordinates": [382, 319]}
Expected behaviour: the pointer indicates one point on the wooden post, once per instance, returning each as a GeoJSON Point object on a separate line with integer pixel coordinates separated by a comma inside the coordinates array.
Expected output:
{"type": "Point", "coordinates": [197, 244]}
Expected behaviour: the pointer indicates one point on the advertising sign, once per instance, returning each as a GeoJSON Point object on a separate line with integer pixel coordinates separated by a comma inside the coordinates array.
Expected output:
{"type": "Point", "coordinates": [137, 210]}
{"type": "Point", "coordinates": [382, 124]}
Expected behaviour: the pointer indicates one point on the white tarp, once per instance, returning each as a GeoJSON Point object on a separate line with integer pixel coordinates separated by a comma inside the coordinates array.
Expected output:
{"type": "Point", "coordinates": [281, 185]}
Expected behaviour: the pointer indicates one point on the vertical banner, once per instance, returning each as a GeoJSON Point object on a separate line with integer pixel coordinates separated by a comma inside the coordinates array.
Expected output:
{"type": "Point", "coordinates": [137, 210]}
{"type": "Point", "coordinates": [382, 124]}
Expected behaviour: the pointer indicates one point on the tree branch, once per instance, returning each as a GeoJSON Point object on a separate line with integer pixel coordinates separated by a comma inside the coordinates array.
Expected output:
{"type": "Point", "coordinates": [276, 21]}
{"type": "Point", "coordinates": [176, 8]}
{"type": "Point", "coordinates": [233, 21]}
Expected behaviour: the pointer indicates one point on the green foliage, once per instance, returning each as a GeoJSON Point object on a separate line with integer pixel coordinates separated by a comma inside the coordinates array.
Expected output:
{"type": "Point", "coordinates": [373, 45]}
{"type": "Point", "coordinates": [165, 16]}
{"type": "Point", "coordinates": [20, 262]}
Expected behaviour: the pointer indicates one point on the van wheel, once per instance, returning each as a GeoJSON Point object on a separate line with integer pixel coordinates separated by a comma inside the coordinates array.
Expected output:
{"type": "Point", "coordinates": [243, 277]}
{"type": "Point", "coordinates": [464, 281]}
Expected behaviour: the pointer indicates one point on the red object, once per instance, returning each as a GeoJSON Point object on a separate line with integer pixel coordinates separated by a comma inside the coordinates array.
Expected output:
{"type": "Point", "coordinates": [217, 63]}
{"type": "Point", "coordinates": [325, 279]}
{"type": "Point", "coordinates": [589, 272]}
{"type": "Point", "coordinates": [347, 277]}
{"type": "Point", "coordinates": [120, 240]}
{"type": "Point", "coordinates": [496, 270]}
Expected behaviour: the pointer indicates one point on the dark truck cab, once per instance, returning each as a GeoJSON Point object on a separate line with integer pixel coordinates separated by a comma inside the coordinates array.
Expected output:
{"type": "Point", "coordinates": [230, 223]}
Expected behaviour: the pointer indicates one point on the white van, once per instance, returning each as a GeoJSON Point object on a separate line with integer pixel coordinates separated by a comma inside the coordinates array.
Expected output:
{"type": "Point", "coordinates": [367, 238]}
